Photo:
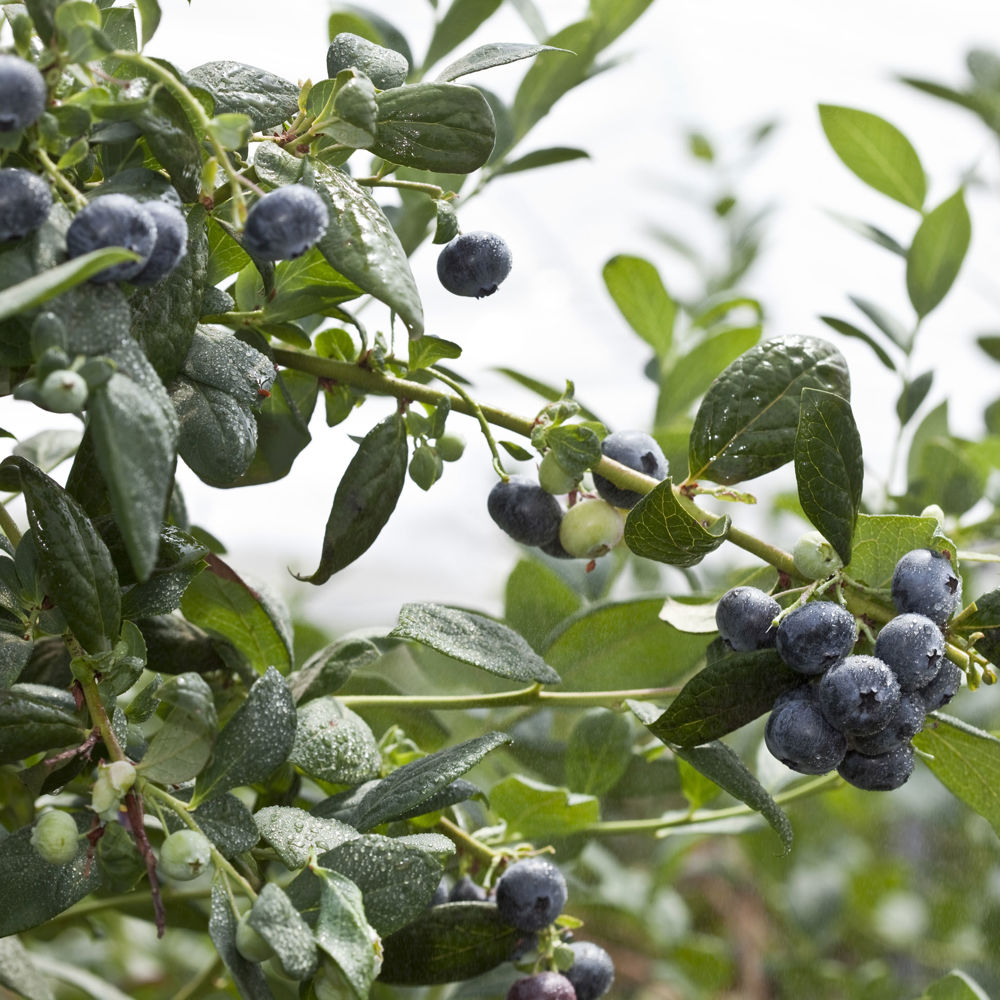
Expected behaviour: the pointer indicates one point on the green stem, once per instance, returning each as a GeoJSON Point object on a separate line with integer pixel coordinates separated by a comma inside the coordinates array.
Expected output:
{"type": "Point", "coordinates": [465, 842]}
{"type": "Point", "coordinates": [779, 559]}
{"type": "Point", "coordinates": [99, 716]}
{"type": "Point", "coordinates": [479, 415]}
{"type": "Point", "coordinates": [9, 526]}
{"type": "Point", "coordinates": [523, 696]}
{"type": "Point", "coordinates": [59, 179]}
{"type": "Point", "coordinates": [125, 902]}
{"type": "Point", "coordinates": [431, 189]}
{"type": "Point", "coordinates": [610, 828]}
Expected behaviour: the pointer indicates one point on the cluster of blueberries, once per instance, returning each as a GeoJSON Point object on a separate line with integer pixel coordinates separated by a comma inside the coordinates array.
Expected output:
{"type": "Point", "coordinates": [530, 895]}
{"type": "Point", "coordinates": [855, 713]}
{"type": "Point", "coordinates": [529, 512]}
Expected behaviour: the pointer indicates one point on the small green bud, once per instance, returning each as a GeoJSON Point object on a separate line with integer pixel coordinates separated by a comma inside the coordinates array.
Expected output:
{"type": "Point", "coordinates": [553, 478]}
{"type": "Point", "coordinates": [63, 391]}
{"type": "Point", "coordinates": [55, 837]}
{"type": "Point", "coordinates": [935, 511]}
{"type": "Point", "coordinates": [113, 781]}
{"type": "Point", "coordinates": [591, 528]}
{"type": "Point", "coordinates": [815, 558]}
{"type": "Point", "coordinates": [184, 855]}
{"type": "Point", "coordinates": [249, 943]}
{"type": "Point", "coordinates": [450, 447]}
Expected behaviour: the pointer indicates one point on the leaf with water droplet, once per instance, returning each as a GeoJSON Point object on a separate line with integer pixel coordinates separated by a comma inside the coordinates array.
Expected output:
{"type": "Point", "coordinates": [296, 835]}
{"type": "Point", "coordinates": [248, 976]}
{"type": "Point", "coordinates": [333, 743]}
{"type": "Point", "coordinates": [181, 746]}
{"type": "Point", "coordinates": [277, 921]}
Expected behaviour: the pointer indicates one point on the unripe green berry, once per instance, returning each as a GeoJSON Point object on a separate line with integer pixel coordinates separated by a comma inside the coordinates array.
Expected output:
{"type": "Point", "coordinates": [185, 854]}
{"type": "Point", "coordinates": [63, 391]}
{"type": "Point", "coordinates": [450, 447]}
{"type": "Point", "coordinates": [553, 478]}
{"type": "Point", "coordinates": [249, 943]}
{"type": "Point", "coordinates": [113, 781]}
{"type": "Point", "coordinates": [590, 528]}
{"type": "Point", "coordinates": [934, 510]}
{"type": "Point", "coordinates": [815, 558]}
{"type": "Point", "coordinates": [55, 837]}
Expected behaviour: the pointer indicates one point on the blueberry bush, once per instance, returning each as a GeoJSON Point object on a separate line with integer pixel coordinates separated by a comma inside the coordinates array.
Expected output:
{"type": "Point", "coordinates": [594, 795]}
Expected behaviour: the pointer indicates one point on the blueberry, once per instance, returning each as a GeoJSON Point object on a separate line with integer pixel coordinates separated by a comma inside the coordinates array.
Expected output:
{"type": "Point", "coordinates": [905, 723]}
{"type": "Point", "coordinates": [592, 971]}
{"type": "Point", "coordinates": [185, 854]}
{"type": "Point", "coordinates": [943, 688]}
{"type": "Point", "coordinates": [63, 391]}
{"type": "Point", "coordinates": [55, 837]}
{"type": "Point", "coordinates": [113, 220]}
{"type": "Point", "coordinates": [925, 583]}
{"type": "Point", "coordinates": [878, 774]}
{"type": "Point", "coordinates": [25, 200]}
{"type": "Point", "coordinates": [744, 616]}
{"type": "Point", "coordinates": [170, 246]}
{"type": "Point", "coordinates": [440, 894]}
{"type": "Point", "coordinates": [474, 264]}
{"type": "Point", "coordinates": [591, 528]}
{"type": "Point", "coordinates": [859, 695]}
{"type": "Point", "coordinates": [285, 223]}
{"type": "Point", "coordinates": [913, 647]}
{"type": "Point", "coordinates": [800, 737]}
{"type": "Point", "coordinates": [639, 451]}
{"type": "Point", "coordinates": [542, 986]}
{"type": "Point", "coordinates": [817, 635]}
{"type": "Point", "coordinates": [22, 93]}
{"type": "Point", "coordinates": [386, 68]}
{"type": "Point", "coordinates": [531, 894]}
{"type": "Point", "coordinates": [466, 891]}
{"type": "Point", "coordinates": [525, 511]}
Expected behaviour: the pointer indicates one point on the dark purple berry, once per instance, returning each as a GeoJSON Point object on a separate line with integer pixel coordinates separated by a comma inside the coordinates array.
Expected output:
{"type": "Point", "coordinates": [913, 647]}
{"type": "Point", "coordinates": [466, 891]}
{"type": "Point", "coordinates": [170, 246]}
{"type": "Point", "coordinates": [878, 774]}
{"type": "Point", "coordinates": [744, 617]}
{"type": "Point", "coordinates": [474, 264]}
{"type": "Point", "coordinates": [543, 986]}
{"type": "Point", "coordinates": [285, 223]}
{"type": "Point", "coordinates": [943, 688]}
{"type": "Point", "coordinates": [522, 509]}
{"type": "Point", "coordinates": [813, 638]}
{"type": "Point", "coordinates": [592, 971]}
{"type": "Point", "coordinates": [22, 93]}
{"type": "Point", "coordinates": [113, 220]}
{"type": "Point", "coordinates": [859, 695]}
{"type": "Point", "coordinates": [639, 451]}
{"type": "Point", "coordinates": [531, 894]}
{"type": "Point", "coordinates": [906, 722]}
{"type": "Point", "coordinates": [925, 582]}
{"type": "Point", "coordinates": [800, 737]}
{"type": "Point", "coordinates": [25, 200]}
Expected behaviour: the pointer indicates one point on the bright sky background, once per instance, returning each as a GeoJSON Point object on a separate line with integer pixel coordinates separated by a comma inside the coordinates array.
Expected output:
{"type": "Point", "coordinates": [718, 66]}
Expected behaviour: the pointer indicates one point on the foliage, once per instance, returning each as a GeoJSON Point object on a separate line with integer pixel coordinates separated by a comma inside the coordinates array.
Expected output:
{"type": "Point", "coordinates": [338, 782]}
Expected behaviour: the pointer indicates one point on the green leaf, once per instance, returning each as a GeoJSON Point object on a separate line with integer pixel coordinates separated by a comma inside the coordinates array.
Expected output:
{"type": "Point", "coordinates": [444, 127]}
{"type": "Point", "coordinates": [730, 691]}
{"type": "Point", "coordinates": [219, 359]}
{"type": "Point", "coordinates": [359, 242]}
{"type": "Point", "coordinates": [240, 89]}
{"type": "Point", "coordinates": [474, 639]}
{"type": "Point", "coordinates": [75, 562]}
{"type": "Point", "coordinates": [34, 890]}
{"type": "Point", "coordinates": [219, 601]}
{"type": "Point", "coordinates": [576, 447]}
{"type": "Point", "coordinates": [452, 942]}
{"type": "Point", "coordinates": [344, 934]}
{"type": "Point", "coordinates": [248, 976]}
{"type": "Point", "coordinates": [661, 527]}
{"type": "Point", "coordinates": [460, 20]}
{"type": "Point", "coordinates": [936, 254]}
{"type": "Point", "coordinates": [536, 600]}
{"type": "Point", "coordinates": [228, 824]}
{"type": "Point", "coordinates": [541, 158]}
{"type": "Point", "coordinates": [31, 723]}
{"type": "Point", "coordinates": [687, 378]}
{"type": "Point", "coordinates": [850, 330]}
{"type": "Point", "coordinates": [173, 141]}
{"type": "Point", "coordinates": [135, 436]}
{"type": "Point", "coordinates": [277, 921]}
{"type": "Point", "coordinates": [881, 540]}
{"type": "Point", "coordinates": [34, 291]}
{"type": "Point", "coordinates": [957, 985]}
{"type": "Point", "coordinates": [535, 811]}
{"type": "Point", "coordinates": [829, 470]}
{"type": "Point", "coordinates": [599, 752]}
{"type": "Point", "coordinates": [18, 972]}
{"type": "Point", "coordinates": [986, 619]}
{"type": "Point", "coordinates": [622, 643]}
{"type": "Point", "coordinates": [334, 744]}
{"type": "Point", "coordinates": [913, 394]}
{"type": "Point", "coordinates": [884, 320]}
{"type": "Point", "coordinates": [149, 10]}
{"type": "Point", "coordinates": [746, 424]}
{"type": "Point", "coordinates": [365, 497]}
{"type": "Point", "coordinates": [490, 55]}
{"type": "Point", "coordinates": [296, 835]}
{"type": "Point", "coordinates": [180, 748]}
{"type": "Point", "coordinates": [329, 668]}
{"type": "Point", "coordinates": [966, 761]}
{"type": "Point", "coordinates": [877, 152]}
{"type": "Point", "coordinates": [638, 291]}
{"type": "Point", "coordinates": [254, 742]}
{"type": "Point", "coordinates": [429, 350]}
{"type": "Point", "coordinates": [413, 784]}
{"type": "Point", "coordinates": [15, 652]}
{"type": "Point", "coordinates": [720, 764]}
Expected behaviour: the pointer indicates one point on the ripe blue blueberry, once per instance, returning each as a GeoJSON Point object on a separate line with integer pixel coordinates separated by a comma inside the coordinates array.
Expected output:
{"type": "Point", "coordinates": [531, 894]}
{"type": "Point", "coordinates": [592, 971]}
{"type": "Point", "coordinates": [878, 774]}
{"type": "Point", "coordinates": [170, 246]}
{"type": "Point", "coordinates": [525, 511]}
{"type": "Point", "coordinates": [474, 264]}
{"type": "Point", "coordinates": [113, 220]}
{"type": "Point", "coordinates": [943, 688]}
{"type": "Point", "coordinates": [25, 200]}
{"type": "Point", "coordinates": [800, 737]}
{"type": "Point", "coordinates": [744, 616]}
{"type": "Point", "coordinates": [913, 646]}
{"type": "Point", "coordinates": [817, 635]}
{"type": "Point", "coordinates": [542, 986]}
{"type": "Point", "coordinates": [466, 891]}
{"type": "Point", "coordinates": [440, 894]}
{"type": "Point", "coordinates": [385, 68]}
{"type": "Point", "coordinates": [285, 223]}
{"type": "Point", "coordinates": [925, 582]}
{"type": "Point", "coordinates": [22, 93]}
{"type": "Point", "coordinates": [905, 723]}
{"type": "Point", "coordinates": [639, 451]}
{"type": "Point", "coordinates": [859, 695]}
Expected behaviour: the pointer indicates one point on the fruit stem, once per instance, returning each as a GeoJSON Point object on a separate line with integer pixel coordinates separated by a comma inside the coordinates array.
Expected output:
{"type": "Point", "coordinates": [432, 190]}
{"type": "Point", "coordinates": [782, 561]}
{"type": "Point", "coordinates": [99, 715]}
{"type": "Point", "coordinates": [59, 180]}
{"type": "Point", "coordinates": [479, 415]}
{"type": "Point", "coordinates": [465, 842]}
{"type": "Point", "coordinates": [9, 526]}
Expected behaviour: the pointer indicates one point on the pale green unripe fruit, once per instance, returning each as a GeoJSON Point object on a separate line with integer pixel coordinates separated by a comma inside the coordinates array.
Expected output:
{"type": "Point", "coordinates": [63, 391]}
{"type": "Point", "coordinates": [815, 558]}
{"type": "Point", "coordinates": [55, 837]}
{"type": "Point", "coordinates": [934, 510]}
{"type": "Point", "coordinates": [590, 528]}
{"type": "Point", "coordinates": [113, 781]}
{"type": "Point", "coordinates": [249, 943]}
{"type": "Point", "coordinates": [553, 478]}
{"type": "Point", "coordinates": [185, 854]}
{"type": "Point", "coordinates": [450, 447]}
